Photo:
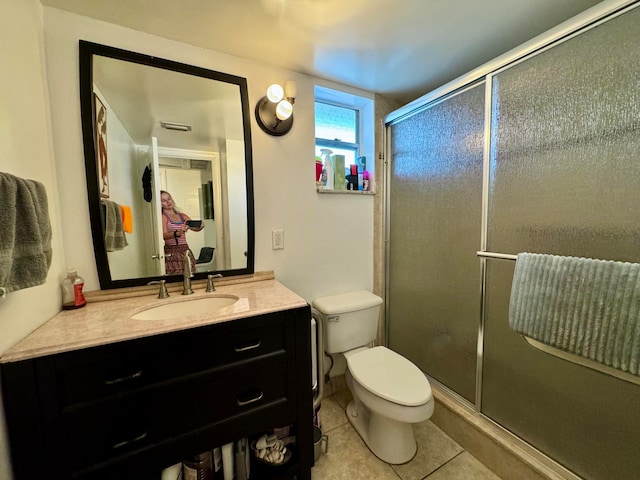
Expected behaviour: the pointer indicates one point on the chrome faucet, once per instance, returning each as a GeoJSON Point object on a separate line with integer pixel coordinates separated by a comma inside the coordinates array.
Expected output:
{"type": "Point", "coordinates": [186, 272]}
{"type": "Point", "coordinates": [210, 286]}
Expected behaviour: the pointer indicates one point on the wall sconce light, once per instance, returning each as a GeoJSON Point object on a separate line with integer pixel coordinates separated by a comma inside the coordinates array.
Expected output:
{"type": "Point", "coordinates": [274, 111]}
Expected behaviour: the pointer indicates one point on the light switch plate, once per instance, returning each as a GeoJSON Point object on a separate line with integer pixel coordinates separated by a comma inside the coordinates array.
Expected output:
{"type": "Point", "coordinates": [277, 239]}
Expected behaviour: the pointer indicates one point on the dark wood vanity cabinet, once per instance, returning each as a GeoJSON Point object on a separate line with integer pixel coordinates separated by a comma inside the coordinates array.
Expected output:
{"type": "Point", "coordinates": [130, 409]}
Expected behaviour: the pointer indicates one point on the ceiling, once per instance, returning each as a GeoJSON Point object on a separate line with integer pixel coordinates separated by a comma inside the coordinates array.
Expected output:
{"type": "Point", "coordinates": [142, 97]}
{"type": "Point", "coordinates": [400, 48]}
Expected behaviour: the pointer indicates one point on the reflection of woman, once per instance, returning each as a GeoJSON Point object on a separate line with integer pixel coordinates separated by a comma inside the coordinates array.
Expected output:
{"type": "Point", "coordinates": [174, 229]}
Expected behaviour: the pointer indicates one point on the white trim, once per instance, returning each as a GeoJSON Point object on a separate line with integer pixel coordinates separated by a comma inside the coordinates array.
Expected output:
{"type": "Point", "coordinates": [190, 154]}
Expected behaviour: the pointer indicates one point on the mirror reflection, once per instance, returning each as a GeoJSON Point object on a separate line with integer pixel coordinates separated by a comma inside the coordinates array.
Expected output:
{"type": "Point", "coordinates": [153, 126]}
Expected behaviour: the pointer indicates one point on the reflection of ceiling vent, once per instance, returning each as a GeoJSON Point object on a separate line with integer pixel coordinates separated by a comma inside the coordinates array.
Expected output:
{"type": "Point", "coordinates": [184, 163]}
{"type": "Point", "coordinates": [171, 162]}
{"type": "Point", "coordinates": [181, 127]}
{"type": "Point", "coordinates": [200, 164]}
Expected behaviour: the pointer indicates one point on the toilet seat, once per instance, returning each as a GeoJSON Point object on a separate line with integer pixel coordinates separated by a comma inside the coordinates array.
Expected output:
{"type": "Point", "coordinates": [390, 376]}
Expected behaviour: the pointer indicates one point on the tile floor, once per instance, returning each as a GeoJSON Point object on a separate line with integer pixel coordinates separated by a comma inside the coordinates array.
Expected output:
{"type": "Point", "coordinates": [347, 457]}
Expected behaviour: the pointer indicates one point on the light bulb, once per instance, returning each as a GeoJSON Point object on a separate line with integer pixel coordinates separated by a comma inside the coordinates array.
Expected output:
{"type": "Point", "coordinates": [275, 93]}
{"type": "Point", "coordinates": [290, 89]}
{"type": "Point", "coordinates": [284, 110]}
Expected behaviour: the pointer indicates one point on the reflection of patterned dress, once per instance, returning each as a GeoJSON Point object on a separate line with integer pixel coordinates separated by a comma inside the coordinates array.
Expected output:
{"type": "Point", "coordinates": [174, 249]}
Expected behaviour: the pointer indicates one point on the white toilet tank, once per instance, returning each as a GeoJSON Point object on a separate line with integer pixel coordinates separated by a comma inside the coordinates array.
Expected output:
{"type": "Point", "coordinates": [350, 319]}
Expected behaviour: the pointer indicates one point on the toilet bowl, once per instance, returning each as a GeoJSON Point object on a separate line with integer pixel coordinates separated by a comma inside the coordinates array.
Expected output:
{"type": "Point", "coordinates": [389, 395]}
{"type": "Point", "coordinates": [389, 392]}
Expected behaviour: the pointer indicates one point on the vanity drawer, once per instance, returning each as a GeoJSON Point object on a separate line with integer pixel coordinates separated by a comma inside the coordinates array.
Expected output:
{"type": "Point", "coordinates": [90, 374]}
{"type": "Point", "coordinates": [119, 427]}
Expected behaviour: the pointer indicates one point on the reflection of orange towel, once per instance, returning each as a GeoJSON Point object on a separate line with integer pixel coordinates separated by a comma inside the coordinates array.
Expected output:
{"type": "Point", "coordinates": [127, 218]}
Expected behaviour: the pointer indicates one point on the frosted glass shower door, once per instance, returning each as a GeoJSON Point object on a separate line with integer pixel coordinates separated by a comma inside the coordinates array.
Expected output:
{"type": "Point", "coordinates": [564, 179]}
{"type": "Point", "coordinates": [435, 193]}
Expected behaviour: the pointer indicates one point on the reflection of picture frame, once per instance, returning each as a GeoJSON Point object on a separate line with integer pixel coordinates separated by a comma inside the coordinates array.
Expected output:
{"type": "Point", "coordinates": [101, 147]}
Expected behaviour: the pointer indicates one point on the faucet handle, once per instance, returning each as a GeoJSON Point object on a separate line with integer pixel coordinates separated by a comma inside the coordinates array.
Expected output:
{"type": "Point", "coordinates": [210, 286]}
{"type": "Point", "coordinates": [163, 293]}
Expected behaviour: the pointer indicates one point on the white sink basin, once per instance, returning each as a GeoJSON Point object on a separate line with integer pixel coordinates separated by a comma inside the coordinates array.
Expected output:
{"type": "Point", "coordinates": [197, 306]}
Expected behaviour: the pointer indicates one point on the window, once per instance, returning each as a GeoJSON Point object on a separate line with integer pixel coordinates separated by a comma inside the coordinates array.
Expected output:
{"type": "Point", "coordinates": [344, 125]}
{"type": "Point", "coordinates": [337, 130]}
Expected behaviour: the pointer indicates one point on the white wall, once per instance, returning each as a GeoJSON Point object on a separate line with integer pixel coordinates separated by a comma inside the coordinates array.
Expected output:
{"type": "Point", "coordinates": [26, 151]}
{"type": "Point", "coordinates": [328, 238]}
{"type": "Point", "coordinates": [127, 262]}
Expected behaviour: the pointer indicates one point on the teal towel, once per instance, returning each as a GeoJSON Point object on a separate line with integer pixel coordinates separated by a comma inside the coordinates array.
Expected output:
{"type": "Point", "coordinates": [583, 306]}
{"type": "Point", "coordinates": [25, 238]}
{"type": "Point", "coordinates": [114, 237]}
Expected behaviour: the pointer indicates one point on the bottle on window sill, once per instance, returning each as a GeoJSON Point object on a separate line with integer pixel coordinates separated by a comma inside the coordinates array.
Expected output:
{"type": "Point", "coordinates": [328, 172]}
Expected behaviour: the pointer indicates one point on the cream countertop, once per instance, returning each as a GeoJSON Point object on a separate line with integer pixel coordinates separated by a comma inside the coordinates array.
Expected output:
{"type": "Point", "coordinates": [106, 322]}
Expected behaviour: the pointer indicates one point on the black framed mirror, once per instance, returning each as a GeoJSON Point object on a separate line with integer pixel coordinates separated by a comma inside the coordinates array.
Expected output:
{"type": "Point", "coordinates": [151, 125]}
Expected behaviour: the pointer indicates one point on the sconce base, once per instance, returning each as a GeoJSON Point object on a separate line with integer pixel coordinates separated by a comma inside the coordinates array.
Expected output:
{"type": "Point", "coordinates": [267, 120]}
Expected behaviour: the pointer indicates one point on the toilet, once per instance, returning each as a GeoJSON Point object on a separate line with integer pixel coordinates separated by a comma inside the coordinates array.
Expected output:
{"type": "Point", "coordinates": [389, 392]}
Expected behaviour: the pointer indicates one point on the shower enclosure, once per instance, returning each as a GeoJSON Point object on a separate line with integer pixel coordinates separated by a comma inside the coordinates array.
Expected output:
{"type": "Point", "coordinates": [539, 152]}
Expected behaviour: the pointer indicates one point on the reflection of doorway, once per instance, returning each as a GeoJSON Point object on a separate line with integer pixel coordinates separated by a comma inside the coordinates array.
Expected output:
{"type": "Point", "coordinates": [191, 177]}
{"type": "Point", "coordinates": [183, 185]}
{"type": "Point", "coordinates": [146, 229]}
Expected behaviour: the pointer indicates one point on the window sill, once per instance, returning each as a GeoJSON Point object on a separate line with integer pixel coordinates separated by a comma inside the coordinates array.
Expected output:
{"type": "Point", "coordinates": [346, 192]}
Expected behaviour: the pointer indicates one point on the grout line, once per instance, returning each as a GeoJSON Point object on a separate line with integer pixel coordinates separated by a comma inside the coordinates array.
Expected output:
{"type": "Point", "coordinates": [434, 471]}
{"type": "Point", "coordinates": [327, 432]}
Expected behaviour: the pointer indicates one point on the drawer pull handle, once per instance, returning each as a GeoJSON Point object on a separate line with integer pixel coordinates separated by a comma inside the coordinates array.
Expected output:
{"type": "Point", "coordinates": [242, 403]}
{"type": "Point", "coordinates": [128, 442]}
{"type": "Point", "coordinates": [133, 376]}
{"type": "Point", "coordinates": [244, 348]}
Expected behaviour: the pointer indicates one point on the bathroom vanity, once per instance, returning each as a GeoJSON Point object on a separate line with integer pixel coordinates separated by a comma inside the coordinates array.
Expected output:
{"type": "Point", "coordinates": [94, 393]}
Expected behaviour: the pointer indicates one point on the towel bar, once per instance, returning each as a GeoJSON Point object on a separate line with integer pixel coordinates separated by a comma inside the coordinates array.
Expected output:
{"type": "Point", "coordinates": [502, 256]}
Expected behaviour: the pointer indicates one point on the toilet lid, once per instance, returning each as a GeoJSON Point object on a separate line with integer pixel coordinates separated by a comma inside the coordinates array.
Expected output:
{"type": "Point", "coordinates": [390, 376]}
